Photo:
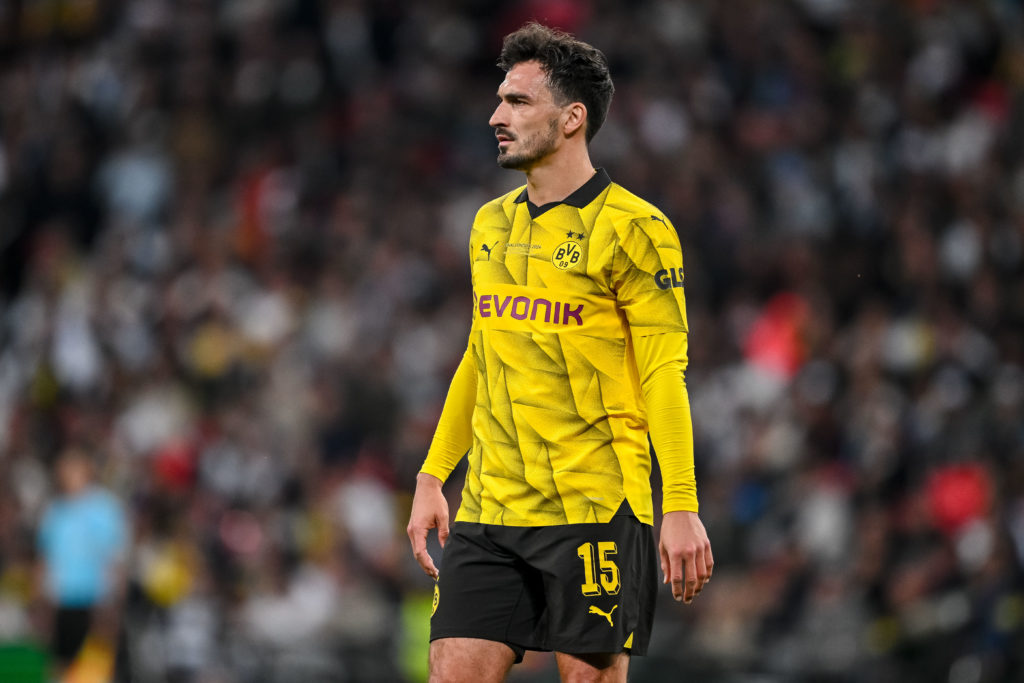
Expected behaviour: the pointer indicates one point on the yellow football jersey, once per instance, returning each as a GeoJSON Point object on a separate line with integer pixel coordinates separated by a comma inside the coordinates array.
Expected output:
{"type": "Point", "coordinates": [561, 293]}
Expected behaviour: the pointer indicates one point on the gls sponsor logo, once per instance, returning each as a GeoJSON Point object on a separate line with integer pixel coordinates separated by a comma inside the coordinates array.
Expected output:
{"type": "Point", "coordinates": [671, 277]}
{"type": "Point", "coordinates": [524, 307]}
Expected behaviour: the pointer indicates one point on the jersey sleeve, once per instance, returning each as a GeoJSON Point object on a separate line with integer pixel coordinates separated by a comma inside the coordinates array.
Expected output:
{"type": "Point", "coordinates": [661, 361]}
{"type": "Point", "coordinates": [648, 281]}
{"type": "Point", "coordinates": [454, 434]}
{"type": "Point", "coordinates": [647, 276]}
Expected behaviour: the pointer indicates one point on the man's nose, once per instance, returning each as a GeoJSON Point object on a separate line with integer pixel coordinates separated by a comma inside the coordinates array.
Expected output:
{"type": "Point", "coordinates": [499, 118]}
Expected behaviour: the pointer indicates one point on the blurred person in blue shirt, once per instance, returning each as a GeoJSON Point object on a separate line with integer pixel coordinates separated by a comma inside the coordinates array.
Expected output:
{"type": "Point", "coordinates": [82, 542]}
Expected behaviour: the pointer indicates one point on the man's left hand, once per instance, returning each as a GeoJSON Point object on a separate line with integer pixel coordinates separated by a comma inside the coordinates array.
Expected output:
{"type": "Point", "coordinates": [686, 559]}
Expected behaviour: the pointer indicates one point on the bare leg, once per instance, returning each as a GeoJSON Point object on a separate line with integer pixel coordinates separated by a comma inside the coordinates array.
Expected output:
{"type": "Point", "coordinates": [593, 668]}
{"type": "Point", "coordinates": [469, 660]}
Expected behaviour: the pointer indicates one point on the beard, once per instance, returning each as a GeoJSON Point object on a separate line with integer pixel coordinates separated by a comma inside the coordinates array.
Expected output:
{"type": "Point", "coordinates": [534, 148]}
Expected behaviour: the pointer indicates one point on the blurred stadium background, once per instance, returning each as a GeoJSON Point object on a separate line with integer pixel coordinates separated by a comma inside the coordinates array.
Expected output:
{"type": "Point", "coordinates": [233, 267]}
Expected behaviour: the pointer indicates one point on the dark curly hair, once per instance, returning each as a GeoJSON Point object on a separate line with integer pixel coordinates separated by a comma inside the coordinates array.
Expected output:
{"type": "Point", "coordinates": [576, 71]}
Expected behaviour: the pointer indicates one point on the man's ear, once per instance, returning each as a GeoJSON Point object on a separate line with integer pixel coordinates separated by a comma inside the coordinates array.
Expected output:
{"type": "Point", "coordinates": [575, 119]}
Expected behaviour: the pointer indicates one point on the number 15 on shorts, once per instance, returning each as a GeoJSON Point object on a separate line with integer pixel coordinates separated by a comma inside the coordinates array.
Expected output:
{"type": "Point", "coordinates": [599, 566]}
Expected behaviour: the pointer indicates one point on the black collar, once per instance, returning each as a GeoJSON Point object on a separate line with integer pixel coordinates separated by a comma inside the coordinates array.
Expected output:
{"type": "Point", "coordinates": [583, 195]}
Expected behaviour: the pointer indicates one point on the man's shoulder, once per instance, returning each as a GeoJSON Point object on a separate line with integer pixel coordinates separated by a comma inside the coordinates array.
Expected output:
{"type": "Point", "coordinates": [503, 205]}
{"type": "Point", "coordinates": [507, 199]}
{"type": "Point", "coordinates": [627, 206]}
{"type": "Point", "coordinates": [101, 501]}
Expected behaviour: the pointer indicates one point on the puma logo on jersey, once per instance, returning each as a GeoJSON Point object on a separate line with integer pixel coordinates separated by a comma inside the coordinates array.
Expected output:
{"type": "Point", "coordinates": [594, 609]}
{"type": "Point", "coordinates": [487, 249]}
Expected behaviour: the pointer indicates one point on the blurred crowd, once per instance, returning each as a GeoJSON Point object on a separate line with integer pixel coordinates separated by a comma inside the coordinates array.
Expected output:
{"type": "Point", "coordinates": [233, 269]}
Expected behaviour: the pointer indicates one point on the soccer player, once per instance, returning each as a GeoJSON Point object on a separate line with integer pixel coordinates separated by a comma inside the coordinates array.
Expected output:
{"type": "Point", "coordinates": [577, 352]}
{"type": "Point", "coordinates": [83, 539]}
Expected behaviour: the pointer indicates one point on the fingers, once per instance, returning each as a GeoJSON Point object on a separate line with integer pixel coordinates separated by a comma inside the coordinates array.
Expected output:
{"type": "Point", "coordinates": [677, 583]}
{"type": "Point", "coordinates": [699, 566]}
{"type": "Point", "coordinates": [665, 564]}
{"type": "Point", "coordinates": [693, 584]}
{"type": "Point", "coordinates": [429, 511]}
{"type": "Point", "coordinates": [418, 539]}
{"type": "Point", "coordinates": [442, 531]}
{"type": "Point", "coordinates": [672, 571]}
{"type": "Point", "coordinates": [428, 564]}
{"type": "Point", "coordinates": [688, 571]}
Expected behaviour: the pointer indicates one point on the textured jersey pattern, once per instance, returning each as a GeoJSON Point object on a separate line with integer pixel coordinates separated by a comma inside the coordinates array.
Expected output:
{"type": "Point", "coordinates": [559, 428]}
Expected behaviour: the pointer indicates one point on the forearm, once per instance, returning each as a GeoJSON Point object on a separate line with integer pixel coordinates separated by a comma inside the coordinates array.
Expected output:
{"type": "Point", "coordinates": [454, 434]}
{"type": "Point", "coordinates": [668, 415]}
{"type": "Point", "coordinates": [661, 360]}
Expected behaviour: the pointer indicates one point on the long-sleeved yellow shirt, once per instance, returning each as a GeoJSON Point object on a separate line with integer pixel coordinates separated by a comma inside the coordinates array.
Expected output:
{"type": "Point", "coordinates": [577, 352]}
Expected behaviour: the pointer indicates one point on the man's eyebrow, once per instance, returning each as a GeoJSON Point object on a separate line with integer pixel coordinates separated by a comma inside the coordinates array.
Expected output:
{"type": "Point", "coordinates": [513, 96]}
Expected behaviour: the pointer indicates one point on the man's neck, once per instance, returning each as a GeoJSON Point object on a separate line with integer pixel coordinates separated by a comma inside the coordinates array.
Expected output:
{"type": "Point", "coordinates": [557, 178]}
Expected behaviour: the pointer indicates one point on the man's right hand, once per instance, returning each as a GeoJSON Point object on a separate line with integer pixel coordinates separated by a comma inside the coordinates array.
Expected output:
{"type": "Point", "coordinates": [429, 511]}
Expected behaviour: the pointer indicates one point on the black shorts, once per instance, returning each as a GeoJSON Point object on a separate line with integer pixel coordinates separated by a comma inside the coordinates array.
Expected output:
{"type": "Point", "coordinates": [575, 588]}
{"type": "Point", "coordinates": [70, 628]}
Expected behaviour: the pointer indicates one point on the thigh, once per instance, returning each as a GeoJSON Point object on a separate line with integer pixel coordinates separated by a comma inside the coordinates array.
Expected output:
{"type": "Point", "coordinates": [600, 583]}
{"type": "Point", "coordinates": [485, 592]}
{"type": "Point", "coordinates": [594, 667]}
{"type": "Point", "coordinates": [472, 660]}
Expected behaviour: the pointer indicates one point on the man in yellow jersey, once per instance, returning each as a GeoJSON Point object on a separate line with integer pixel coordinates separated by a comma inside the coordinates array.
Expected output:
{"type": "Point", "coordinates": [577, 351]}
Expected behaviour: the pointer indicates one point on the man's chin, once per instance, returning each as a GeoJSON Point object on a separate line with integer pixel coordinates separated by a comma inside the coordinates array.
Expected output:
{"type": "Point", "coordinates": [512, 162]}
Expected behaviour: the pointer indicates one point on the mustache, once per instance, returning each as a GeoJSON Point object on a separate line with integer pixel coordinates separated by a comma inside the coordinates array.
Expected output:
{"type": "Point", "coordinates": [503, 131]}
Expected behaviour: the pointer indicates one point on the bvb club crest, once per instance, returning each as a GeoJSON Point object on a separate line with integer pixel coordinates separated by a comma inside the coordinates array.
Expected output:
{"type": "Point", "coordinates": [566, 255]}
